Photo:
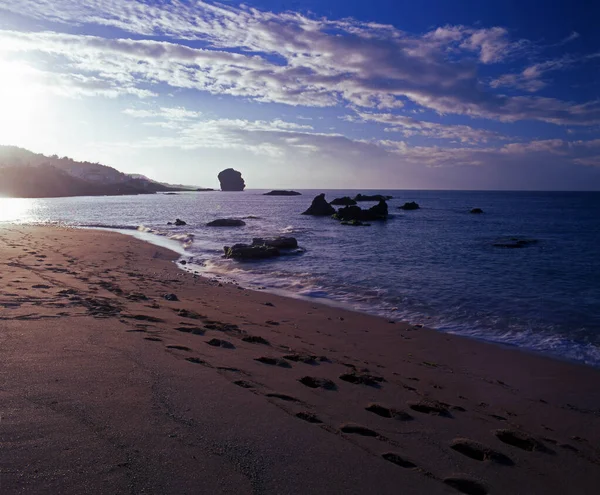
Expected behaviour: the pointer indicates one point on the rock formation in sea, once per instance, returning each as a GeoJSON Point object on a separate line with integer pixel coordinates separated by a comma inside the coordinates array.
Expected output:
{"type": "Point", "coordinates": [320, 207]}
{"type": "Point", "coordinates": [476, 211]}
{"type": "Point", "coordinates": [263, 249]}
{"type": "Point", "coordinates": [345, 201]}
{"type": "Point", "coordinates": [374, 197]}
{"type": "Point", "coordinates": [282, 193]}
{"type": "Point", "coordinates": [231, 180]}
{"type": "Point", "coordinates": [409, 206]}
{"type": "Point", "coordinates": [357, 214]}
{"type": "Point", "coordinates": [226, 222]}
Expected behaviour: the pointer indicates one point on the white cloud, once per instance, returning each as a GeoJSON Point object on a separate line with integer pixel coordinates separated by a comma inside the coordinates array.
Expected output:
{"type": "Point", "coordinates": [289, 58]}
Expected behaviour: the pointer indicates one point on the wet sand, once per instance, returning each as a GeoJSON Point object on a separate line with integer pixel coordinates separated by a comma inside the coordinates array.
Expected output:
{"type": "Point", "coordinates": [108, 387]}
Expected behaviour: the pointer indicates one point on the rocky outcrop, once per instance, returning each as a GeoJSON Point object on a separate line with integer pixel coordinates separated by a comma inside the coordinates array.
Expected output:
{"type": "Point", "coordinates": [231, 180]}
{"type": "Point", "coordinates": [345, 201]}
{"type": "Point", "coordinates": [180, 222]}
{"type": "Point", "coordinates": [357, 214]}
{"type": "Point", "coordinates": [476, 211]}
{"type": "Point", "coordinates": [320, 207]}
{"type": "Point", "coordinates": [374, 197]}
{"type": "Point", "coordinates": [226, 222]}
{"type": "Point", "coordinates": [409, 206]}
{"type": "Point", "coordinates": [277, 242]}
{"type": "Point", "coordinates": [250, 252]}
{"type": "Point", "coordinates": [282, 193]}
{"type": "Point", "coordinates": [263, 249]}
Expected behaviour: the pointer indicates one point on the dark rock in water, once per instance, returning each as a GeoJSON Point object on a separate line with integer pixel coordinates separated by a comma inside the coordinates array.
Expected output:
{"type": "Point", "coordinates": [204, 189]}
{"type": "Point", "coordinates": [231, 180]}
{"type": "Point", "coordinates": [345, 201]}
{"type": "Point", "coordinates": [171, 297]}
{"type": "Point", "coordinates": [250, 252]}
{"type": "Point", "coordinates": [226, 222]}
{"type": "Point", "coordinates": [183, 262]}
{"type": "Point", "coordinates": [356, 223]}
{"type": "Point", "coordinates": [320, 207]}
{"type": "Point", "coordinates": [409, 206]}
{"type": "Point", "coordinates": [263, 248]}
{"type": "Point", "coordinates": [476, 210]}
{"type": "Point", "coordinates": [170, 194]}
{"type": "Point", "coordinates": [514, 242]}
{"type": "Point", "coordinates": [282, 193]}
{"type": "Point", "coordinates": [169, 223]}
{"type": "Point", "coordinates": [179, 222]}
{"type": "Point", "coordinates": [357, 214]}
{"type": "Point", "coordinates": [277, 242]}
{"type": "Point", "coordinates": [374, 197]}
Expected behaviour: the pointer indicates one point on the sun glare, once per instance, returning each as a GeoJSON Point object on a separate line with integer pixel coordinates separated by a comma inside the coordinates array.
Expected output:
{"type": "Point", "coordinates": [20, 101]}
{"type": "Point", "coordinates": [17, 210]}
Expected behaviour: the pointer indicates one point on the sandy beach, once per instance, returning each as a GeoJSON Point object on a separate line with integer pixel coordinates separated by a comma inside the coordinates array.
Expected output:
{"type": "Point", "coordinates": [109, 387]}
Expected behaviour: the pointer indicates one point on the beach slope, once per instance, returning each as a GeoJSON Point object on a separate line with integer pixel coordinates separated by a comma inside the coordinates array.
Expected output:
{"type": "Point", "coordinates": [109, 387]}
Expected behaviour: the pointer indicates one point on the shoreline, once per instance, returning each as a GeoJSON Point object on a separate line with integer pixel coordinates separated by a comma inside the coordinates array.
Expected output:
{"type": "Point", "coordinates": [172, 245]}
{"type": "Point", "coordinates": [242, 391]}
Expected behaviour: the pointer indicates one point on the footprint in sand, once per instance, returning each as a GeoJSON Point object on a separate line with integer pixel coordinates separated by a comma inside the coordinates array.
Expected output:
{"type": "Point", "coordinates": [273, 362]}
{"type": "Point", "coordinates": [192, 330]}
{"type": "Point", "coordinates": [287, 398]}
{"type": "Point", "coordinates": [302, 358]}
{"type": "Point", "coordinates": [479, 452]}
{"type": "Point", "coordinates": [195, 360]}
{"type": "Point", "coordinates": [357, 378]}
{"type": "Point", "coordinates": [385, 412]}
{"type": "Point", "coordinates": [313, 382]}
{"type": "Point", "coordinates": [225, 344]}
{"type": "Point", "coordinates": [152, 319]}
{"type": "Point", "coordinates": [253, 339]}
{"type": "Point", "coordinates": [430, 406]}
{"type": "Point", "coordinates": [354, 429]}
{"type": "Point", "coordinates": [309, 417]}
{"type": "Point", "coordinates": [179, 347]}
{"type": "Point", "coordinates": [243, 384]}
{"type": "Point", "coordinates": [466, 485]}
{"type": "Point", "coordinates": [398, 460]}
{"type": "Point", "coordinates": [522, 441]}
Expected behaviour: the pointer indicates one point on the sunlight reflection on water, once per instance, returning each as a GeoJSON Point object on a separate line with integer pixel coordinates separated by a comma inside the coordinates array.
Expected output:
{"type": "Point", "coordinates": [19, 210]}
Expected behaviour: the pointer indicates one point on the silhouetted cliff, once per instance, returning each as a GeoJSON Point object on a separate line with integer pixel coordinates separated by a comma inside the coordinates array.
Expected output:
{"type": "Point", "coordinates": [29, 175]}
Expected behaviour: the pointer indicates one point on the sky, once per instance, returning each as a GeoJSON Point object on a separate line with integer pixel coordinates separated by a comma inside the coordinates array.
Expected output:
{"type": "Point", "coordinates": [328, 94]}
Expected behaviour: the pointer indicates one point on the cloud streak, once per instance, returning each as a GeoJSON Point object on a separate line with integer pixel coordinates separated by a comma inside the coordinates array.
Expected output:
{"type": "Point", "coordinates": [295, 60]}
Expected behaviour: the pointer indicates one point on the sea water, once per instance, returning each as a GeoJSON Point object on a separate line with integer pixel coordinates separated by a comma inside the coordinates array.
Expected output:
{"type": "Point", "coordinates": [437, 265]}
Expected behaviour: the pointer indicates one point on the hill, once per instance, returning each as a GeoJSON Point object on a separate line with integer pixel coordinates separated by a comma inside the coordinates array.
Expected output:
{"type": "Point", "coordinates": [24, 174]}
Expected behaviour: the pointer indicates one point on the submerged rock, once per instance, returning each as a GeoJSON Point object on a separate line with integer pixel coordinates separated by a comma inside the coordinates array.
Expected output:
{"type": "Point", "coordinates": [231, 180]}
{"type": "Point", "coordinates": [320, 207]}
{"type": "Point", "coordinates": [345, 201]}
{"type": "Point", "coordinates": [374, 197]}
{"type": "Point", "coordinates": [476, 210]}
{"type": "Point", "coordinates": [409, 206]}
{"type": "Point", "coordinates": [282, 193]}
{"type": "Point", "coordinates": [357, 214]}
{"type": "Point", "coordinates": [514, 242]}
{"type": "Point", "coordinates": [226, 222]}
{"type": "Point", "coordinates": [180, 222]}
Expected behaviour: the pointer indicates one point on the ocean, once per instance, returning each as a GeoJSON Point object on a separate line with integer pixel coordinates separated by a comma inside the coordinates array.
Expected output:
{"type": "Point", "coordinates": [437, 266]}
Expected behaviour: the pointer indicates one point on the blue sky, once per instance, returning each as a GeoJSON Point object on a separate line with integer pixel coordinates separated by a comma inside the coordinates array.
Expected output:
{"type": "Point", "coordinates": [309, 94]}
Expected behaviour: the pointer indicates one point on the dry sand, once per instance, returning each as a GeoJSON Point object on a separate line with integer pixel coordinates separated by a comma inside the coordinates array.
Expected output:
{"type": "Point", "coordinates": [107, 387]}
